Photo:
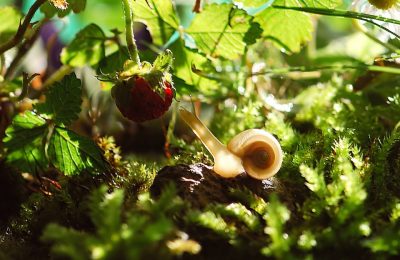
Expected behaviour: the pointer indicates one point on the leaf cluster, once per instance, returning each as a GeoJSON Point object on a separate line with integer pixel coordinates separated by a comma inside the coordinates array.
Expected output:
{"type": "Point", "coordinates": [40, 138]}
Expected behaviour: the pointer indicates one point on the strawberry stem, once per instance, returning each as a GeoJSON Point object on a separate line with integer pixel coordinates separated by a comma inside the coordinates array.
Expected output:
{"type": "Point", "coordinates": [130, 38]}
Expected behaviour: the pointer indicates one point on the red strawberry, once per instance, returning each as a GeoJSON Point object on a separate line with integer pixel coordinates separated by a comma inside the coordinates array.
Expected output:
{"type": "Point", "coordinates": [139, 102]}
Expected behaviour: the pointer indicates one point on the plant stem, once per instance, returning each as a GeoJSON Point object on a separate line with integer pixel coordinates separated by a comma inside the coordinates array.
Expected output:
{"type": "Point", "coordinates": [349, 14]}
{"type": "Point", "coordinates": [331, 67]}
{"type": "Point", "coordinates": [130, 37]}
{"type": "Point", "coordinates": [19, 35]}
{"type": "Point", "coordinates": [340, 13]}
{"type": "Point", "coordinates": [26, 80]}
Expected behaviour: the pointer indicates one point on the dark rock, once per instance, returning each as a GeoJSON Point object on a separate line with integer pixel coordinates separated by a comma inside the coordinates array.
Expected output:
{"type": "Point", "coordinates": [200, 185]}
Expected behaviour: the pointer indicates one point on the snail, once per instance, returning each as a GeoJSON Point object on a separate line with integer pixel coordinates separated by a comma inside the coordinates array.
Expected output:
{"type": "Point", "coordinates": [254, 151]}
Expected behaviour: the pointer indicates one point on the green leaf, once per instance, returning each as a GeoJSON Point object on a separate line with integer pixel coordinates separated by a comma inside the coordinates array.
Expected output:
{"type": "Point", "coordinates": [33, 142]}
{"type": "Point", "coordinates": [87, 47]}
{"type": "Point", "coordinates": [63, 101]}
{"type": "Point", "coordinates": [308, 3]}
{"type": "Point", "coordinates": [9, 22]}
{"type": "Point", "coordinates": [71, 153]}
{"type": "Point", "coordinates": [251, 3]}
{"type": "Point", "coordinates": [159, 17]}
{"type": "Point", "coordinates": [113, 62]}
{"type": "Point", "coordinates": [288, 29]}
{"type": "Point", "coordinates": [163, 61]}
{"type": "Point", "coordinates": [23, 142]}
{"type": "Point", "coordinates": [184, 59]}
{"type": "Point", "coordinates": [322, 3]}
{"type": "Point", "coordinates": [231, 32]}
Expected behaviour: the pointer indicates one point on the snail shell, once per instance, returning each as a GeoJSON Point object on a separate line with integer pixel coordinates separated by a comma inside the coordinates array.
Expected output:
{"type": "Point", "coordinates": [260, 152]}
{"type": "Point", "coordinates": [254, 151]}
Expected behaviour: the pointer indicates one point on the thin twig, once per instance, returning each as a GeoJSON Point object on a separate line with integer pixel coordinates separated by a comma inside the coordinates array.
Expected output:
{"type": "Point", "coordinates": [19, 35]}
{"type": "Point", "coordinates": [26, 81]}
{"type": "Point", "coordinates": [282, 71]}
{"type": "Point", "coordinates": [340, 13]}
{"type": "Point", "coordinates": [197, 7]}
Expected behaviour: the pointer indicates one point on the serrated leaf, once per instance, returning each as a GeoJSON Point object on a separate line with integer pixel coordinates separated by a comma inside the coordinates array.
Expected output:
{"type": "Point", "coordinates": [231, 32]}
{"type": "Point", "coordinates": [113, 62]}
{"type": "Point", "coordinates": [322, 3]}
{"type": "Point", "coordinates": [63, 101]}
{"type": "Point", "coordinates": [9, 22]}
{"type": "Point", "coordinates": [23, 142]}
{"type": "Point", "coordinates": [184, 59]}
{"type": "Point", "coordinates": [288, 29]}
{"type": "Point", "coordinates": [71, 153]}
{"type": "Point", "coordinates": [163, 61]}
{"type": "Point", "coordinates": [159, 18]}
{"type": "Point", "coordinates": [87, 47]}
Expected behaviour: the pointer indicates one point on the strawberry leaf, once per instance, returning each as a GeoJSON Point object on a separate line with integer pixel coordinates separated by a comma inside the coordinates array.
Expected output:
{"type": "Point", "coordinates": [184, 60]}
{"type": "Point", "coordinates": [321, 3]}
{"type": "Point", "coordinates": [277, 22]}
{"type": "Point", "coordinates": [114, 62]}
{"type": "Point", "coordinates": [23, 142]}
{"type": "Point", "coordinates": [63, 101]}
{"type": "Point", "coordinates": [33, 142]}
{"type": "Point", "coordinates": [231, 32]}
{"type": "Point", "coordinates": [71, 153]}
{"type": "Point", "coordinates": [159, 18]}
{"type": "Point", "coordinates": [163, 61]}
{"type": "Point", "coordinates": [87, 47]}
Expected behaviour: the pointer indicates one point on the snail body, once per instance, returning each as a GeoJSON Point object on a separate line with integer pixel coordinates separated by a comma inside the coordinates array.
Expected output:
{"type": "Point", "coordinates": [254, 151]}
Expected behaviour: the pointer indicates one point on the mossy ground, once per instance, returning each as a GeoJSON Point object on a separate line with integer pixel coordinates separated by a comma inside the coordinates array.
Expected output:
{"type": "Point", "coordinates": [341, 167]}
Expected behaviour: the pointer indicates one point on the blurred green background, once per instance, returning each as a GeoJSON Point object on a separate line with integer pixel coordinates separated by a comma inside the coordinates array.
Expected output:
{"type": "Point", "coordinates": [105, 13]}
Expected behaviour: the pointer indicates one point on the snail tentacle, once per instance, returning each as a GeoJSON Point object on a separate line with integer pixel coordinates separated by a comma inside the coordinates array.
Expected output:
{"type": "Point", "coordinates": [226, 164]}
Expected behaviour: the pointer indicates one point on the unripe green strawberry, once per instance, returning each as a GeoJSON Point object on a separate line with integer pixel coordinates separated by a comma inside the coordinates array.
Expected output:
{"type": "Point", "coordinates": [139, 101]}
